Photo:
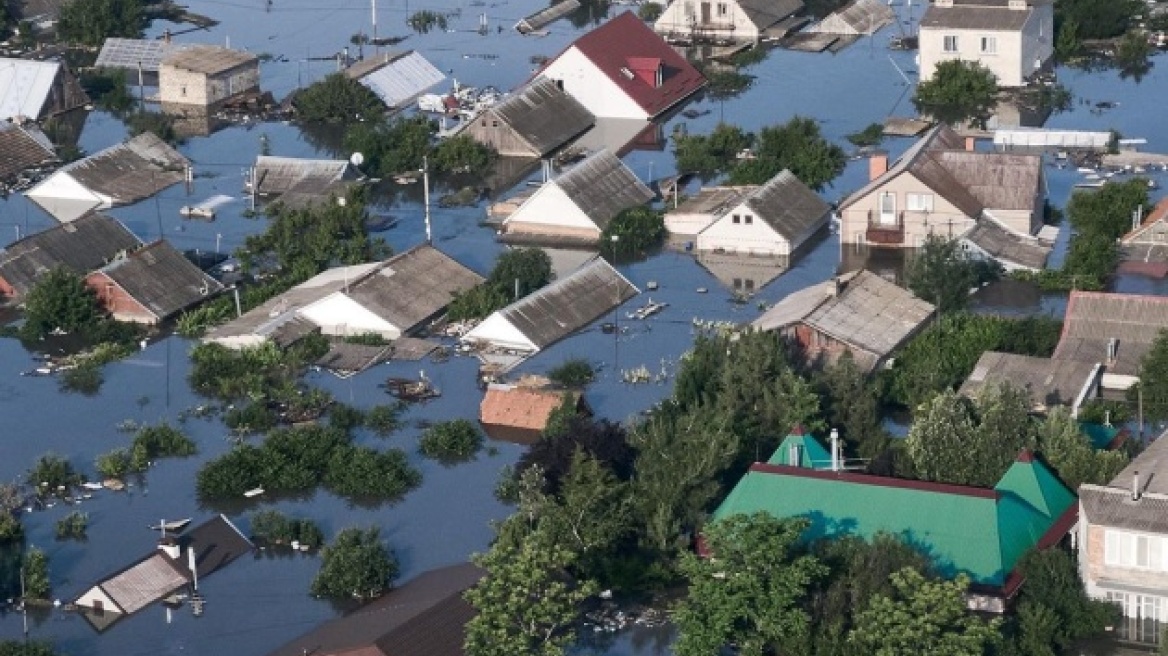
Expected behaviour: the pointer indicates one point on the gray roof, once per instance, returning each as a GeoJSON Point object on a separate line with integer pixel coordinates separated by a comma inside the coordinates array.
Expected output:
{"type": "Point", "coordinates": [207, 59]}
{"type": "Point", "coordinates": [1112, 505]}
{"type": "Point", "coordinates": [789, 206]}
{"type": "Point", "coordinates": [128, 54]}
{"type": "Point", "coordinates": [277, 175]}
{"type": "Point", "coordinates": [860, 309]}
{"type": "Point", "coordinates": [1153, 230]}
{"type": "Point", "coordinates": [859, 17]}
{"type": "Point", "coordinates": [764, 13]}
{"type": "Point", "coordinates": [1094, 318]}
{"type": "Point", "coordinates": [413, 286]}
{"type": "Point", "coordinates": [568, 304]}
{"type": "Point", "coordinates": [23, 147]}
{"type": "Point", "coordinates": [1049, 382]}
{"type": "Point", "coordinates": [978, 17]}
{"type": "Point", "coordinates": [80, 246]}
{"type": "Point", "coordinates": [602, 187]}
{"type": "Point", "coordinates": [543, 115]}
{"type": "Point", "coordinates": [714, 201]}
{"type": "Point", "coordinates": [160, 278]}
{"type": "Point", "coordinates": [396, 77]}
{"type": "Point", "coordinates": [1008, 246]}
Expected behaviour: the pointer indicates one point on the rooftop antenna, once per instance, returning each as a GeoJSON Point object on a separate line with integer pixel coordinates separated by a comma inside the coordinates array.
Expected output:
{"type": "Point", "coordinates": [426, 194]}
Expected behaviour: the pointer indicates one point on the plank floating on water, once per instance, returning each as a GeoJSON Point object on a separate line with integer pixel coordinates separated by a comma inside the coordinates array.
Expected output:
{"type": "Point", "coordinates": [546, 16]}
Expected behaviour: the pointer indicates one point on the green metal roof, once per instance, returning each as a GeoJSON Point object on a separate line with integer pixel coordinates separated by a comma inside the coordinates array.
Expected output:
{"type": "Point", "coordinates": [982, 533]}
{"type": "Point", "coordinates": [811, 452]}
{"type": "Point", "coordinates": [1101, 435]}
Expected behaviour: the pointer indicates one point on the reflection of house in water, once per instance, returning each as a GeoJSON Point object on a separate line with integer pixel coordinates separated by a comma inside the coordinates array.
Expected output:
{"type": "Point", "coordinates": [567, 260]}
{"type": "Point", "coordinates": [743, 274]}
{"type": "Point", "coordinates": [621, 136]}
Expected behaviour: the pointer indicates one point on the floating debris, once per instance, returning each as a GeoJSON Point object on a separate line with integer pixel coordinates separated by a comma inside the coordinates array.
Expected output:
{"type": "Point", "coordinates": [412, 390]}
{"type": "Point", "coordinates": [647, 310]}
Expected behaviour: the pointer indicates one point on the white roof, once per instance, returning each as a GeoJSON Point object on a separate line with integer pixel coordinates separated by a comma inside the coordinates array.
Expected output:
{"type": "Point", "coordinates": [25, 86]}
{"type": "Point", "coordinates": [403, 79]}
{"type": "Point", "coordinates": [129, 54]}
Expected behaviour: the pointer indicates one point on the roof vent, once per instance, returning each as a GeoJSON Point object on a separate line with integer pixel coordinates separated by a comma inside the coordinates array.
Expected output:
{"type": "Point", "coordinates": [1112, 350]}
{"type": "Point", "coordinates": [627, 73]}
{"type": "Point", "coordinates": [1136, 493]}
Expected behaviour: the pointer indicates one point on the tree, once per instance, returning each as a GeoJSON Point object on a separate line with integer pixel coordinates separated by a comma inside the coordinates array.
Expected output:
{"type": "Point", "coordinates": [526, 603]}
{"type": "Point", "coordinates": [36, 574]}
{"type": "Point", "coordinates": [1096, 19]}
{"type": "Point", "coordinates": [452, 441]}
{"type": "Point", "coordinates": [709, 154]}
{"type": "Point", "coordinates": [1069, 451]}
{"type": "Point", "coordinates": [462, 154]}
{"type": "Point", "coordinates": [1004, 428]}
{"type": "Point", "coordinates": [337, 98]}
{"type": "Point", "coordinates": [959, 90]}
{"type": "Point", "coordinates": [22, 648]}
{"type": "Point", "coordinates": [797, 146]}
{"type": "Point", "coordinates": [573, 372]}
{"type": "Point", "coordinates": [91, 22]}
{"type": "Point", "coordinates": [601, 439]}
{"type": "Point", "coordinates": [1054, 611]}
{"type": "Point", "coordinates": [942, 273]}
{"type": "Point", "coordinates": [636, 230]}
{"type": "Point", "coordinates": [516, 273]}
{"type": "Point", "coordinates": [356, 564]}
{"type": "Point", "coordinates": [851, 404]}
{"type": "Point", "coordinates": [1153, 383]}
{"type": "Point", "coordinates": [923, 616]}
{"type": "Point", "coordinates": [59, 301]}
{"type": "Point", "coordinates": [750, 591]}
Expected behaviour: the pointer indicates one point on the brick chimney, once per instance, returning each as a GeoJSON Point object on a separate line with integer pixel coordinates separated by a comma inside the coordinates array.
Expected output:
{"type": "Point", "coordinates": [971, 144]}
{"type": "Point", "coordinates": [877, 164]}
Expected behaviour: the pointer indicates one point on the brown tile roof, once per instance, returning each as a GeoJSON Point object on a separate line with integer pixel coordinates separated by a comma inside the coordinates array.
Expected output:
{"type": "Point", "coordinates": [1095, 318]}
{"type": "Point", "coordinates": [521, 407]}
{"type": "Point", "coordinates": [163, 280]}
{"type": "Point", "coordinates": [22, 148]}
{"type": "Point", "coordinates": [80, 246]}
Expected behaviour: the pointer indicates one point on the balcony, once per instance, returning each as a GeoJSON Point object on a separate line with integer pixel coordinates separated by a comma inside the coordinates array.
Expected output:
{"type": "Point", "coordinates": [885, 234]}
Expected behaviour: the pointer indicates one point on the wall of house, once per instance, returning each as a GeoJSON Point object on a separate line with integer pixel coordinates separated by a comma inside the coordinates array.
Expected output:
{"type": "Point", "coordinates": [945, 219]}
{"type": "Point", "coordinates": [497, 331]}
{"type": "Point", "coordinates": [750, 235]}
{"type": "Point", "coordinates": [727, 21]}
{"type": "Point", "coordinates": [592, 87]}
{"type": "Point", "coordinates": [96, 598]}
{"type": "Point", "coordinates": [1093, 561]}
{"type": "Point", "coordinates": [487, 129]}
{"type": "Point", "coordinates": [1005, 63]}
{"type": "Point", "coordinates": [815, 343]}
{"type": "Point", "coordinates": [180, 86]}
{"type": "Point", "coordinates": [338, 314]}
{"type": "Point", "coordinates": [687, 223]}
{"type": "Point", "coordinates": [551, 212]}
{"type": "Point", "coordinates": [118, 302]}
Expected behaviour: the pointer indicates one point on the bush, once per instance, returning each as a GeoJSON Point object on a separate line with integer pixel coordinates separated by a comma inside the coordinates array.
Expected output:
{"type": "Point", "coordinates": [650, 11]}
{"type": "Point", "coordinates": [636, 230]}
{"type": "Point", "coordinates": [361, 472]}
{"type": "Point", "coordinates": [11, 530]}
{"type": "Point", "coordinates": [36, 574]}
{"type": "Point", "coordinates": [162, 441]}
{"type": "Point", "coordinates": [72, 526]}
{"type": "Point", "coordinates": [275, 527]}
{"type": "Point", "coordinates": [451, 441]}
{"type": "Point", "coordinates": [710, 154]}
{"type": "Point", "coordinates": [160, 125]}
{"type": "Point", "coordinates": [59, 302]}
{"type": "Point", "coordinates": [51, 473]}
{"type": "Point", "coordinates": [385, 419]}
{"type": "Point", "coordinates": [798, 146]}
{"type": "Point", "coordinates": [250, 418]}
{"type": "Point", "coordinates": [355, 565]}
{"type": "Point", "coordinates": [336, 98]}
{"type": "Point", "coordinates": [462, 154]}
{"type": "Point", "coordinates": [869, 136]}
{"type": "Point", "coordinates": [394, 148]}
{"type": "Point", "coordinates": [576, 372]}
{"type": "Point", "coordinates": [517, 271]}
{"type": "Point", "coordinates": [114, 464]}
{"type": "Point", "coordinates": [345, 417]}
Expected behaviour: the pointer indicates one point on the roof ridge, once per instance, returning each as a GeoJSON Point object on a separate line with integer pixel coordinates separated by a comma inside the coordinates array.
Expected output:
{"type": "Point", "coordinates": [881, 481]}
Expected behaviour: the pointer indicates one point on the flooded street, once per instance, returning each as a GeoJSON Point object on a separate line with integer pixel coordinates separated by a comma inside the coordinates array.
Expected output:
{"type": "Point", "coordinates": [262, 602]}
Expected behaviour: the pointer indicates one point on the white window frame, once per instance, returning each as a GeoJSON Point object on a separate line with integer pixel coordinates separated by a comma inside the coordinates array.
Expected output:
{"type": "Point", "coordinates": [886, 217]}
{"type": "Point", "coordinates": [949, 43]}
{"type": "Point", "coordinates": [723, 9]}
{"type": "Point", "coordinates": [1135, 551]}
{"type": "Point", "coordinates": [918, 202]}
{"type": "Point", "coordinates": [989, 45]}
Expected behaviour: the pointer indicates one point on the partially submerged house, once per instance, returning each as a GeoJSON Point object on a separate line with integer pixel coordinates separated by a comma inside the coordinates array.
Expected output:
{"type": "Point", "coordinates": [982, 533]}
{"type": "Point", "coordinates": [941, 186]}
{"type": "Point", "coordinates": [426, 616]}
{"type": "Point", "coordinates": [151, 284]}
{"type": "Point", "coordinates": [275, 176]}
{"type": "Point", "coordinates": [1112, 330]}
{"type": "Point", "coordinates": [554, 312]}
{"type": "Point", "coordinates": [81, 246]}
{"type": "Point", "coordinates": [774, 219]}
{"type": "Point", "coordinates": [860, 313]}
{"type": "Point", "coordinates": [576, 207]}
{"type": "Point", "coordinates": [535, 121]}
{"type": "Point", "coordinates": [858, 18]}
{"type": "Point", "coordinates": [35, 90]}
{"type": "Point", "coordinates": [1048, 382]}
{"type": "Point", "coordinates": [720, 21]}
{"type": "Point", "coordinates": [1014, 251]}
{"type": "Point", "coordinates": [622, 69]}
{"type": "Point", "coordinates": [119, 175]}
{"type": "Point", "coordinates": [171, 567]}
{"type": "Point", "coordinates": [1145, 247]}
{"type": "Point", "coordinates": [398, 78]}
{"type": "Point", "coordinates": [23, 147]}
{"type": "Point", "coordinates": [1014, 39]}
{"type": "Point", "coordinates": [203, 77]}
{"type": "Point", "coordinates": [697, 212]}
{"type": "Point", "coordinates": [390, 299]}
{"type": "Point", "coordinates": [520, 412]}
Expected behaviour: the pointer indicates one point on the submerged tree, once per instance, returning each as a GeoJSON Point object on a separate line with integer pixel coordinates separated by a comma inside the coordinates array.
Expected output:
{"type": "Point", "coordinates": [356, 564]}
{"type": "Point", "coordinates": [942, 273]}
{"type": "Point", "coordinates": [798, 146]}
{"type": "Point", "coordinates": [337, 98]}
{"type": "Point", "coordinates": [959, 91]}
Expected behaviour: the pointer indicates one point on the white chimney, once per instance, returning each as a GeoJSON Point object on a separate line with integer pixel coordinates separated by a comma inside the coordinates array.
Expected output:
{"type": "Point", "coordinates": [835, 450]}
{"type": "Point", "coordinates": [1135, 486]}
{"type": "Point", "coordinates": [1112, 349]}
{"type": "Point", "coordinates": [170, 547]}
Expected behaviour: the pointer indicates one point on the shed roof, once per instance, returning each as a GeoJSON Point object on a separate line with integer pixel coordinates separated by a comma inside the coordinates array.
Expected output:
{"type": "Point", "coordinates": [1049, 382]}
{"type": "Point", "coordinates": [858, 17]}
{"type": "Point", "coordinates": [983, 16]}
{"type": "Point", "coordinates": [25, 86]}
{"type": "Point", "coordinates": [1008, 246]}
{"type": "Point", "coordinates": [602, 187]}
{"type": "Point", "coordinates": [129, 54]}
{"type": "Point", "coordinates": [1094, 318]}
{"type": "Point", "coordinates": [976, 531]}
{"type": "Point", "coordinates": [80, 246]}
{"type": "Point", "coordinates": [396, 77]}
{"type": "Point", "coordinates": [277, 175]}
{"type": "Point", "coordinates": [519, 406]}
{"type": "Point", "coordinates": [544, 115]}
{"type": "Point", "coordinates": [23, 147]}
{"type": "Point", "coordinates": [788, 206]}
{"type": "Point", "coordinates": [425, 617]}
{"type": "Point", "coordinates": [160, 278]}
{"type": "Point", "coordinates": [764, 13]}
{"type": "Point", "coordinates": [207, 59]}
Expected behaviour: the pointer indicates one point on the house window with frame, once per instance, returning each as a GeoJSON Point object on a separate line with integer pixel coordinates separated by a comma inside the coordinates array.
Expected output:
{"type": "Point", "coordinates": [989, 45]}
{"type": "Point", "coordinates": [919, 202]}
{"type": "Point", "coordinates": [949, 43]}
{"type": "Point", "coordinates": [1123, 549]}
{"type": "Point", "coordinates": [748, 219]}
{"type": "Point", "coordinates": [723, 9]}
{"type": "Point", "coordinates": [736, 219]}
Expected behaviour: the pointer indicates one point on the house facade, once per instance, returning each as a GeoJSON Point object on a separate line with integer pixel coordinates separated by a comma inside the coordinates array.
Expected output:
{"type": "Point", "coordinates": [205, 76]}
{"type": "Point", "coordinates": [739, 21]}
{"type": "Point", "coordinates": [151, 284]}
{"type": "Point", "coordinates": [1012, 38]}
{"type": "Point", "coordinates": [773, 220]}
{"type": "Point", "coordinates": [36, 90]}
{"type": "Point", "coordinates": [532, 122]}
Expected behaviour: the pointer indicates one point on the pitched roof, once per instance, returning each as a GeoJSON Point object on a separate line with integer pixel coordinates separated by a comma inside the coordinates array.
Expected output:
{"type": "Point", "coordinates": [602, 187]}
{"type": "Point", "coordinates": [425, 617]}
{"type": "Point", "coordinates": [811, 453]}
{"type": "Point", "coordinates": [788, 206]}
{"type": "Point", "coordinates": [80, 246]}
{"type": "Point", "coordinates": [1112, 504]}
{"type": "Point", "coordinates": [764, 13]}
{"type": "Point", "coordinates": [867, 312]}
{"type": "Point", "coordinates": [207, 59]}
{"type": "Point", "coordinates": [277, 175]}
{"type": "Point", "coordinates": [609, 48]}
{"type": "Point", "coordinates": [1094, 318]}
{"type": "Point", "coordinates": [23, 147]}
{"type": "Point", "coordinates": [396, 77]}
{"type": "Point", "coordinates": [1153, 229]}
{"type": "Point", "coordinates": [25, 86]}
{"type": "Point", "coordinates": [1049, 381]}
{"type": "Point", "coordinates": [518, 406]}
{"type": "Point", "coordinates": [982, 16]}
{"type": "Point", "coordinates": [1008, 246]}
{"type": "Point", "coordinates": [715, 201]}
{"type": "Point", "coordinates": [982, 533]}
{"type": "Point", "coordinates": [543, 115]}
{"type": "Point", "coordinates": [160, 278]}
{"type": "Point", "coordinates": [858, 17]}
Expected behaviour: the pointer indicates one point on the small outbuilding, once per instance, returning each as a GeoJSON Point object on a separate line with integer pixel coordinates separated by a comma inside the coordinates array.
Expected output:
{"type": "Point", "coordinates": [772, 220]}
{"type": "Point", "coordinates": [151, 284]}
{"type": "Point", "coordinates": [520, 413]}
{"type": "Point", "coordinates": [1013, 250]}
{"type": "Point", "coordinates": [81, 246]}
{"type": "Point", "coordinates": [396, 77]}
{"type": "Point", "coordinates": [206, 76]}
{"type": "Point", "coordinates": [532, 122]}
{"type": "Point", "coordinates": [36, 90]}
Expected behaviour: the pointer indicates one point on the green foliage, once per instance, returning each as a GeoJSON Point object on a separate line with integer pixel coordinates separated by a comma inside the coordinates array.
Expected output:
{"type": "Point", "coordinates": [108, 90]}
{"type": "Point", "coordinates": [650, 11]}
{"type": "Point", "coordinates": [355, 565]}
{"type": "Point", "coordinates": [425, 20]}
{"type": "Point", "coordinates": [1095, 19]}
{"type": "Point", "coordinates": [11, 530]}
{"type": "Point", "coordinates": [726, 84]}
{"type": "Point", "coordinates": [385, 419]}
{"type": "Point", "coordinates": [796, 145]}
{"type": "Point", "coordinates": [51, 473]}
{"type": "Point", "coordinates": [560, 420]}
{"type": "Point", "coordinates": [1067, 44]}
{"type": "Point", "coordinates": [72, 526]}
{"type": "Point", "coordinates": [85, 378]}
{"type": "Point", "coordinates": [573, 372]}
{"type": "Point", "coordinates": [158, 124]}
{"type": "Point", "coordinates": [751, 593]}
{"type": "Point", "coordinates": [1131, 55]}
{"type": "Point", "coordinates": [275, 527]}
{"type": "Point", "coordinates": [923, 616]}
{"type": "Point", "coordinates": [114, 464]}
{"type": "Point", "coordinates": [255, 374]}
{"type": "Point", "coordinates": [250, 418]}
{"type": "Point", "coordinates": [452, 441]}
{"type": "Point", "coordinates": [359, 472]}
{"type": "Point", "coordinates": [394, 148]}
{"type": "Point", "coordinates": [462, 154]}
{"type": "Point", "coordinates": [161, 441]}
{"type": "Point", "coordinates": [345, 417]}
{"type": "Point", "coordinates": [367, 339]}
{"type": "Point", "coordinates": [36, 574]}
{"type": "Point", "coordinates": [869, 136]}
{"type": "Point", "coordinates": [635, 230]}
{"type": "Point", "coordinates": [712, 153]}
{"type": "Point", "coordinates": [516, 273]}
{"type": "Point", "coordinates": [1067, 449]}
{"type": "Point", "coordinates": [59, 301]}
{"type": "Point", "coordinates": [1103, 411]}
{"type": "Point", "coordinates": [24, 648]}
{"type": "Point", "coordinates": [959, 90]}
{"type": "Point", "coordinates": [91, 22]}
{"type": "Point", "coordinates": [1153, 384]}
{"type": "Point", "coordinates": [336, 98]}
{"type": "Point", "coordinates": [851, 404]}
{"type": "Point", "coordinates": [942, 273]}
{"type": "Point", "coordinates": [1053, 609]}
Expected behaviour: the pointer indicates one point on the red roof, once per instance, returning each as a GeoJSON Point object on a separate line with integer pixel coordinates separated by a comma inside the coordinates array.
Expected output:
{"type": "Point", "coordinates": [627, 42]}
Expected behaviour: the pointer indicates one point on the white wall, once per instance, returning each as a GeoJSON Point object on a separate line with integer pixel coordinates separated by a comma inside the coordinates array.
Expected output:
{"type": "Point", "coordinates": [94, 595]}
{"type": "Point", "coordinates": [754, 238]}
{"type": "Point", "coordinates": [687, 223]}
{"type": "Point", "coordinates": [680, 15]}
{"type": "Point", "coordinates": [497, 331]}
{"type": "Point", "coordinates": [1011, 63]}
{"type": "Point", "coordinates": [550, 206]}
{"type": "Point", "coordinates": [337, 314]}
{"type": "Point", "coordinates": [592, 87]}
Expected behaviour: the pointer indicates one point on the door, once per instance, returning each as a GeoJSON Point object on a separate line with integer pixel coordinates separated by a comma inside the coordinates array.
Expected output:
{"type": "Point", "coordinates": [705, 13]}
{"type": "Point", "coordinates": [887, 208]}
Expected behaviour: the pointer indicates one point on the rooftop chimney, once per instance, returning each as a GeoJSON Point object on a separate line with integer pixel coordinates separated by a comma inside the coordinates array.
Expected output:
{"type": "Point", "coordinates": [971, 144]}
{"type": "Point", "coordinates": [1112, 350]}
{"type": "Point", "coordinates": [1136, 486]}
{"type": "Point", "coordinates": [169, 546]}
{"type": "Point", "coordinates": [877, 164]}
{"type": "Point", "coordinates": [835, 450]}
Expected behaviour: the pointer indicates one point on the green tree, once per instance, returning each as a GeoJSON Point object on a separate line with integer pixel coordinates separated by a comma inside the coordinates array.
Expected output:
{"type": "Point", "coordinates": [1004, 428]}
{"type": "Point", "coordinates": [942, 273]}
{"type": "Point", "coordinates": [1064, 445]}
{"type": "Point", "coordinates": [1153, 383]}
{"type": "Point", "coordinates": [337, 98]}
{"type": "Point", "coordinates": [393, 148]}
{"type": "Point", "coordinates": [797, 146]}
{"type": "Point", "coordinates": [36, 574]}
{"type": "Point", "coordinates": [1053, 609]}
{"type": "Point", "coordinates": [462, 154]}
{"type": "Point", "coordinates": [1096, 19]}
{"type": "Point", "coordinates": [852, 405]}
{"type": "Point", "coordinates": [636, 230]}
{"type": "Point", "coordinates": [750, 592]}
{"type": "Point", "coordinates": [710, 154]}
{"type": "Point", "coordinates": [1067, 43]}
{"type": "Point", "coordinates": [516, 273]}
{"type": "Point", "coordinates": [573, 372]}
{"type": "Point", "coordinates": [51, 473]}
{"type": "Point", "coordinates": [959, 90]}
{"type": "Point", "coordinates": [59, 301]}
{"type": "Point", "coordinates": [91, 22]}
{"type": "Point", "coordinates": [923, 617]}
{"type": "Point", "coordinates": [22, 648]}
{"type": "Point", "coordinates": [356, 564]}
{"type": "Point", "coordinates": [72, 526]}
{"type": "Point", "coordinates": [452, 441]}
{"type": "Point", "coordinates": [939, 441]}
{"type": "Point", "coordinates": [114, 464]}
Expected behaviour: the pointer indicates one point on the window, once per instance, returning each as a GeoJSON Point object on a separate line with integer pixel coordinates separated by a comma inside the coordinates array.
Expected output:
{"type": "Point", "coordinates": [989, 45]}
{"type": "Point", "coordinates": [950, 43]}
{"type": "Point", "coordinates": [736, 219]}
{"type": "Point", "coordinates": [1123, 549]}
{"type": "Point", "coordinates": [494, 124]}
{"type": "Point", "coordinates": [748, 219]}
{"type": "Point", "coordinates": [919, 202]}
{"type": "Point", "coordinates": [723, 9]}
{"type": "Point", "coordinates": [748, 284]}
{"type": "Point", "coordinates": [738, 283]}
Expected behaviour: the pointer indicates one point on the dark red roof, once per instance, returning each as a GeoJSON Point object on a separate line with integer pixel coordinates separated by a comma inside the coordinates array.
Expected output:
{"type": "Point", "coordinates": [627, 39]}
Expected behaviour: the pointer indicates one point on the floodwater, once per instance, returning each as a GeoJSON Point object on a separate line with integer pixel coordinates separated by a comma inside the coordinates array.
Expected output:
{"type": "Point", "coordinates": [259, 603]}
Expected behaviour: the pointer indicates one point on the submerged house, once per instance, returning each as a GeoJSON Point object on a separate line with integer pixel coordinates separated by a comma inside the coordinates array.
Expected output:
{"type": "Point", "coordinates": [1114, 331]}
{"type": "Point", "coordinates": [119, 175]}
{"type": "Point", "coordinates": [576, 207]}
{"type": "Point", "coordinates": [982, 533]}
{"type": "Point", "coordinates": [392, 298]}
{"type": "Point", "coordinates": [293, 177]}
{"type": "Point", "coordinates": [622, 69]}
{"type": "Point", "coordinates": [858, 18]}
{"type": "Point", "coordinates": [1014, 39]}
{"type": "Point", "coordinates": [398, 78]}
{"type": "Point", "coordinates": [35, 90]}
{"type": "Point", "coordinates": [774, 219]}
{"type": "Point", "coordinates": [81, 246]}
{"type": "Point", "coordinates": [738, 21]}
{"type": "Point", "coordinates": [203, 77]}
{"type": "Point", "coordinates": [23, 147]}
{"type": "Point", "coordinates": [151, 284]}
{"type": "Point", "coordinates": [520, 413]}
{"type": "Point", "coordinates": [860, 313]}
{"type": "Point", "coordinates": [534, 121]}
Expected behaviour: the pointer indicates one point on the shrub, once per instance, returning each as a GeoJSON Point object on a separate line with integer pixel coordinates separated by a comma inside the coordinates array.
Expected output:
{"type": "Point", "coordinates": [575, 372]}
{"type": "Point", "coordinates": [72, 526]}
{"type": "Point", "coordinates": [250, 418]}
{"type": "Point", "coordinates": [51, 473]}
{"type": "Point", "coordinates": [650, 11]}
{"type": "Point", "coordinates": [114, 464]}
{"type": "Point", "coordinates": [636, 230]}
{"type": "Point", "coordinates": [356, 564]}
{"type": "Point", "coordinates": [162, 441]}
{"type": "Point", "coordinates": [36, 574]}
{"type": "Point", "coordinates": [275, 527]}
{"type": "Point", "coordinates": [336, 98]}
{"type": "Point", "coordinates": [385, 419]}
{"type": "Point", "coordinates": [451, 441]}
{"type": "Point", "coordinates": [367, 473]}
{"type": "Point", "coordinates": [345, 417]}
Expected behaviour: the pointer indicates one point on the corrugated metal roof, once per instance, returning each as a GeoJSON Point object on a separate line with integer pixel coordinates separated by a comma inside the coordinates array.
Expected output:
{"type": "Point", "coordinates": [276, 175]}
{"type": "Point", "coordinates": [145, 583]}
{"type": "Point", "coordinates": [80, 246]}
{"type": "Point", "coordinates": [396, 78]}
{"type": "Point", "coordinates": [544, 115]}
{"type": "Point", "coordinates": [23, 147]}
{"type": "Point", "coordinates": [413, 286]}
{"type": "Point", "coordinates": [1094, 318]}
{"type": "Point", "coordinates": [789, 206]}
{"type": "Point", "coordinates": [974, 18]}
{"type": "Point", "coordinates": [206, 59]}
{"type": "Point", "coordinates": [764, 13]}
{"type": "Point", "coordinates": [1049, 382]}
{"type": "Point", "coordinates": [602, 187]}
{"type": "Point", "coordinates": [1010, 247]}
{"type": "Point", "coordinates": [128, 54]}
{"type": "Point", "coordinates": [859, 17]}
{"type": "Point", "coordinates": [25, 86]}
{"type": "Point", "coordinates": [160, 278]}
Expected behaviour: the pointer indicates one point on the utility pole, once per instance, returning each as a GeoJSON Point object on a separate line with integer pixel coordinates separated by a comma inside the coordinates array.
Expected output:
{"type": "Point", "coordinates": [374, 11]}
{"type": "Point", "coordinates": [426, 194]}
{"type": "Point", "coordinates": [23, 601]}
{"type": "Point", "coordinates": [616, 309]}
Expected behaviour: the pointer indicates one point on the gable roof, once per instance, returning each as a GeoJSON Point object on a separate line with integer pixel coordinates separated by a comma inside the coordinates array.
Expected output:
{"type": "Point", "coordinates": [396, 77]}
{"type": "Point", "coordinates": [787, 205]}
{"type": "Point", "coordinates": [609, 48]}
{"type": "Point", "coordinates": [277, 175]}
{"type": "Point", "coordinates": [1048, 381]}
{"type": "Point", "coordinates": [1009, 247]}
{"type": "Point", "coordinates": [520, 406]}
{"type": "Point", "coordinates": [1094, 318]}
{"type": "Point", "coordinates": [982, 533]}
{"type": "Point", "coordinates": [425, 617]}
{"type": "Point", "coordinates": [544, 115]}
{"type": "Point", "coordinates": [81, 246]}
{"type": "Point", "coordinates": [858, 17]}
{"type": "Point", "coordinates": [161, 279]}
{"type": "Point", "coordinates": [1112, 504]}
{"type": "Point", "coordinates": [23, 147]}
{"type": "Point", "coordinates": [207, 59]}
{"type": "Point", "coordinates": [764, 13]}
{"type": "Point", "coordinates": [602, 187]}
{"type": "Point", "coordinates": [25, 85]}
{"type": "Point", "coordinates": [979, 16]}
{"type": "Point", "coordinates": [811, 453]}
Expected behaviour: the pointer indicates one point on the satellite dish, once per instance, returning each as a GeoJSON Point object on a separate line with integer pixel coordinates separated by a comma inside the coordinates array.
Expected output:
{"type": "Point", "coordinates": [356, 159]}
